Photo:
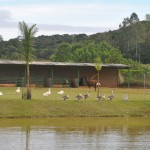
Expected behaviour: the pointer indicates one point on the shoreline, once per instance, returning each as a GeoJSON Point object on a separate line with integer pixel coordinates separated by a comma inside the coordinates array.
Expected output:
{"type": "Point", "coordinates": [42, 117]}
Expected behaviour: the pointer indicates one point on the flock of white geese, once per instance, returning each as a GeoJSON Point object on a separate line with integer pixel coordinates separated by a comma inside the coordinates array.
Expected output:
{"type": "Point", "coordinates": [78, 97]}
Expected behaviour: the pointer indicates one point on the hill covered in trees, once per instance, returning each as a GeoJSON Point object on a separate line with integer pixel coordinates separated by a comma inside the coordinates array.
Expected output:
{"type": "Point", "coordinates": [131, 42]}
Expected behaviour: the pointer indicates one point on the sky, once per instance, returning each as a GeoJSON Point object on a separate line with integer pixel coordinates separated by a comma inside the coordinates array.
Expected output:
{"type": "Point", "coordinates": [68, 16]}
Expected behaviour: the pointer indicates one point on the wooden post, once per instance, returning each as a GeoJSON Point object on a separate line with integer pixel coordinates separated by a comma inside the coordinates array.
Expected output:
{"type": "Point", "coordinates": [78, 75]}
{"type": "Point", "coordinates": [52, 74]}
{"type": "Point", "coordinates": [129, 75]}
{"type": "Point", "coordinates": [144, 81]}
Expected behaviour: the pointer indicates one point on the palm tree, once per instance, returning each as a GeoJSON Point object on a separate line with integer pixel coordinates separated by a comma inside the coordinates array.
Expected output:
{"type": "Point", "coordinates": [27, 35]}
{"type": "Point", "coordinates": [98, 66]}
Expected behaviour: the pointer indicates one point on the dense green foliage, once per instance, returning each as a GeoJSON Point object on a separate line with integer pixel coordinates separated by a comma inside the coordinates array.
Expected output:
{"type": "Point", "coordinates": [131, 42]}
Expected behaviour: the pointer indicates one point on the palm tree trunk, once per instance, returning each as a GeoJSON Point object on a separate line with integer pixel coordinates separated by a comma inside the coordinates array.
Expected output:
{"type": "Point", "coordinates": [28, 82]}
{"type": "Point", "coordinates": [98, 85]}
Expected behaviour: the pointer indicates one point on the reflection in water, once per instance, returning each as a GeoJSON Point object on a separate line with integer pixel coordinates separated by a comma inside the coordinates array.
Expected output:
{"type": "Point", "coordinates": [27, 132]}
{"type": "Point", "coordinates": [75, 134]}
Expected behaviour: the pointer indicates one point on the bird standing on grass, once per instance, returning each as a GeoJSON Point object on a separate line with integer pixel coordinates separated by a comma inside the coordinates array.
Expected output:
{"type": "Point", "coordinates": [110, 97]}
{"type": "Point", "coordinates": [18, 90]}
{"type": "Point", "coordinates": [86, 95]}
{"type": "Point", "coordinates": [65, 97]}
{"type": "Point", "coordinates": [125, 97]}
{"type": "Point", "coordinates": [101, 97]}
{"type": "Point", "coordinates": [47, 93]}
{"type": "Point", "coordinates": [79, 96]}
{"type": "Point", "coordinates": [1, 93]}
{"type": "Point", "coordinates": [60, 92]}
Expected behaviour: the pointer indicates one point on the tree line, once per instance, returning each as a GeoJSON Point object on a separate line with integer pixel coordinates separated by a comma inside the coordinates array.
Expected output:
{"type": "Point", "coordinates": [130, 43]}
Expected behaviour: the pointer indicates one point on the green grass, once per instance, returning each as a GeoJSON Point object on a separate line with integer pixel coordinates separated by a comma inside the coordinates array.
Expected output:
{"type": "Point", "coordinates": [12, 105]}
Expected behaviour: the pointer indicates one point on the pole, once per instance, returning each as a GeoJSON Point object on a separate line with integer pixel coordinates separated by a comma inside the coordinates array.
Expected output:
{"type": "Point", "coordinates": [78, 75]}
{"type": "Point", "coordinates": [144, 80]}
{"type": "Point", "coordinates": [98, 85]}
{"type": "Point", "coordinates": [52, 74]}
{"type": "Point", "coordinates": [129, 74]}
{"type": "Point", "coordinates": [144, 86]}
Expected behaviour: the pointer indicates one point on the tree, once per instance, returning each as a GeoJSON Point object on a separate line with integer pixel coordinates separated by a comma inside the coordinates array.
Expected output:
{"type": "Point", "coordinates": [133, 34]}
{"type": "Point", "coordinates": [63, 53]}
{"type": "Point", "coordinates": [126, 22]}
{"type": "Point", "coordinates": [134, 18]}
{"type": "Point", "coordinates": [27, 34]}
{"type": "Point", "coordinates": [98, 66]}
{"type": "Point", "coordinates": [147, 16]}
{"type": "Point", "coordinates": [1, 38]}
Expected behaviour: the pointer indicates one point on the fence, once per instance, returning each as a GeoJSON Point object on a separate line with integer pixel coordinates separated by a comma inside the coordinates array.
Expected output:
{"type": "Point", "coordinates": [20, 81]}
{"type": "Point", "coordinates": [8, 81]}
{"type": "Point", "coordinates": [134, 78]}
{"type": "Point", "coordinates": [36, 81]}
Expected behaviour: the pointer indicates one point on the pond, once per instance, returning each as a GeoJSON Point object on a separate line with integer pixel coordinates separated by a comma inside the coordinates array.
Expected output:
{"type": "Point", "coordinates": [75, 134]}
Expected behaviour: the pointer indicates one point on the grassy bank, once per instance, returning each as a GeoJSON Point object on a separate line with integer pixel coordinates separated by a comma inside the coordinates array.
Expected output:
{"type": "Point", "coordinates": [12, 105]}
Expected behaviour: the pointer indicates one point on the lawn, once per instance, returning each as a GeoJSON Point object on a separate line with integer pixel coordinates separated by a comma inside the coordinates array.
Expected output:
{"type": "Point", "coordinates": [12, 105]}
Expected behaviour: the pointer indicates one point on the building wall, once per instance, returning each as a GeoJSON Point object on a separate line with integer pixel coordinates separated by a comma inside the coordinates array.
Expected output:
{"type": "Point", "coordinates": [12, 70]}
{"type": "Point", "coordinates": [90, 72]}
{"type": "Point", "coordinates": [109, 77]}
{"type": "Point", "coordinates": [38, 73]}
{"type": "Point", "coordinates": [66, 72]}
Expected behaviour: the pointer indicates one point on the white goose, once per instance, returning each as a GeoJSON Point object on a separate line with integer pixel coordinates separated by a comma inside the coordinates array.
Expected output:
{"type": "Point", "coordinates": [47, 93]}
{"type": "Point", "coordinates": [1, 93]}
{"type": "Point", "coordinates": [60, 92]}
{"type": "Point", "coordinates": [18, 90]}
{"type": "Point", "coordinates": [125, 97]}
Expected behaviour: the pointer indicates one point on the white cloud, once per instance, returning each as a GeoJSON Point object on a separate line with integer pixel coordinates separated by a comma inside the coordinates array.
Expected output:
{"type": "Point", "coordinates": [8, 33]}
{"type": "Point", "coordinates": [5, 15]}
{"type": "Point", "coordinates": [77, 14]}
{"type": "Point", "coordinates": [61, 18]}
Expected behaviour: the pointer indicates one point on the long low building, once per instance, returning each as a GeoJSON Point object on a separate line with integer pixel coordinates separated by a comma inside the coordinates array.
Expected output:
{"type": "Point", "coordinates": [58, 73]}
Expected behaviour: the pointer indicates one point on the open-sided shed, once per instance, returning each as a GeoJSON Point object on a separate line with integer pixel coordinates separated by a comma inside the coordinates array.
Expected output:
{"type": "Point", "coordinates": [58, 73]}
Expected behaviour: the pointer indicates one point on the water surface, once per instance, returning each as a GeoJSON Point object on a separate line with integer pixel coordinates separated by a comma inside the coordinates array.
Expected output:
{"type": "Point", "coordinates": [75, 134]}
